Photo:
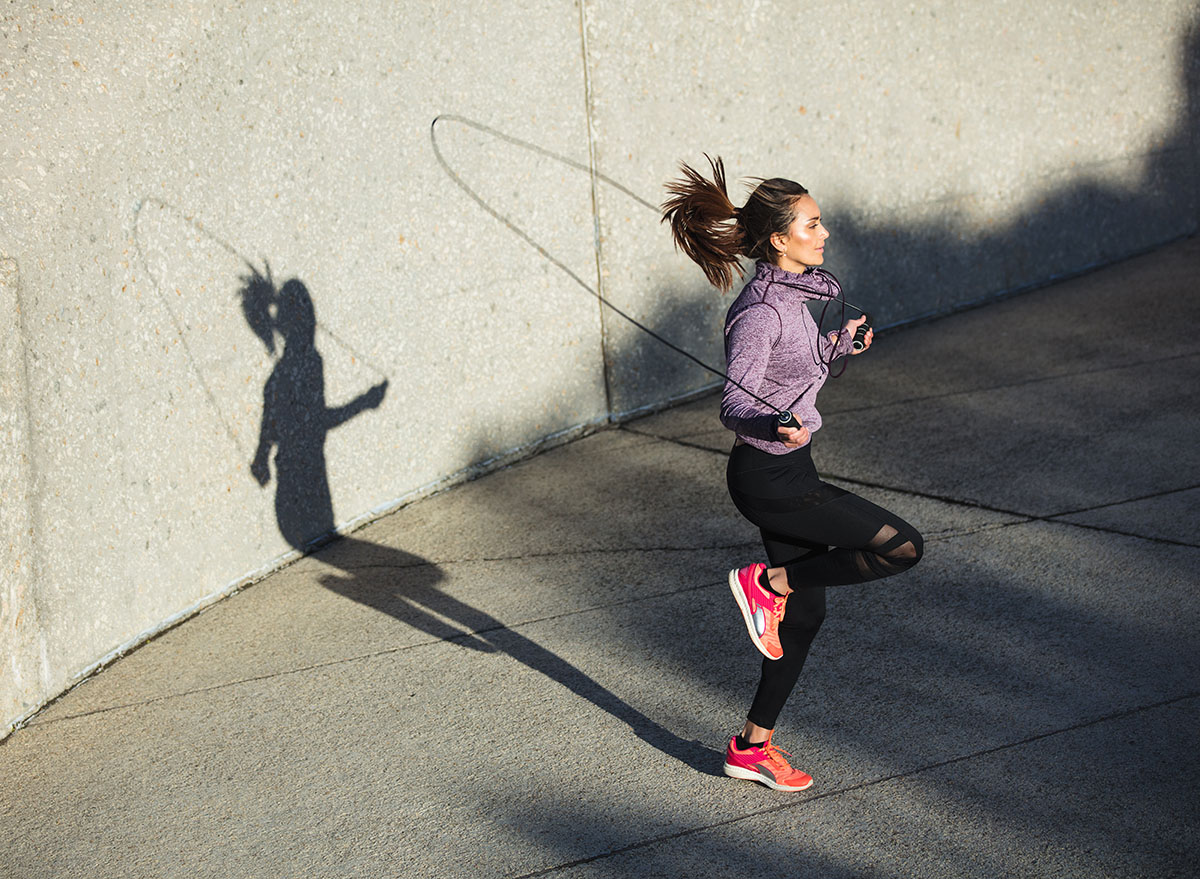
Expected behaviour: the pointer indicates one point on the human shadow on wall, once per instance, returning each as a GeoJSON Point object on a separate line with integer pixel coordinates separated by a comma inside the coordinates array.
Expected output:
{"type": "Point", "coordinates": [295, 417]}
{"type": "Point", "coordinates": [295, 422]}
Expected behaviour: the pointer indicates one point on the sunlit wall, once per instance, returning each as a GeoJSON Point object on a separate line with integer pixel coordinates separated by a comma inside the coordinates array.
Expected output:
{"type": "Point", "coordinates": [269, 270]}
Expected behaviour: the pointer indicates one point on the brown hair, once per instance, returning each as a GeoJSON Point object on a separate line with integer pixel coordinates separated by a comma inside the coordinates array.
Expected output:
{"type": "Point", "coordinates": [713, 233]}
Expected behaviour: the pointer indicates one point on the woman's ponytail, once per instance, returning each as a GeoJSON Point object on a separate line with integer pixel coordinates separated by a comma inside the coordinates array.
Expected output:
{"type": "Point", "coordinates": [713, 233]}
{"type": "Point", "coordinates": [704, 222]}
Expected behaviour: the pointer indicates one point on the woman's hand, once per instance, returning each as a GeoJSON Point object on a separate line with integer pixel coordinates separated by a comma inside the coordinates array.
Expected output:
{"type": "Point", "coordinates": [373, 397]}
{"type": "Point", "coordinates": [794, 437]}
{"type": "Point", "coordinates": [853, 326]}
{"type": "Point", "coordinates": [260, 469]}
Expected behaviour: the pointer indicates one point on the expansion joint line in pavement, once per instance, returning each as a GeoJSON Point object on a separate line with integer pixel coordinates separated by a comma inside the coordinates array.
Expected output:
{"type": "Point", "coordinates": [1023, 517]}
{"type": "Point", "coordinates": [1005, 386]}
{"type": "Point", "coordinates": [671, 439]}
{"type": "Point", "coordinates": [548, 554]}
{"type": "Point", "coordinates": [464, 635]}
{"type": "Point", "coordinates": [805, 801]}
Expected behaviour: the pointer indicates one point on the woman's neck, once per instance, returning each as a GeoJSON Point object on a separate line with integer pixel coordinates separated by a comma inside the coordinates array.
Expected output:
{"type": "Point", "coordinates": [790, 265]}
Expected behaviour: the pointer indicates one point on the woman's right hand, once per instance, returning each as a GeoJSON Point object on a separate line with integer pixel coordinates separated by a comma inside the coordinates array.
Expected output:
{"type": "Point", "coordinates": [794, 437]}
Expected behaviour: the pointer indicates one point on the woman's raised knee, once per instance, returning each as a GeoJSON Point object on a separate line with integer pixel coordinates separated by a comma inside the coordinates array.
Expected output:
{"type": "Point", "coordinates": [909, 552]}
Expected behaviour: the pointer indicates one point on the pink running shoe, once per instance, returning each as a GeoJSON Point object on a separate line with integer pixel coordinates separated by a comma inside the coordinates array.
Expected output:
{"type": "Point", "coordinates": [762, 610]}
{"type": "Point", "coordinates": [766, 764]}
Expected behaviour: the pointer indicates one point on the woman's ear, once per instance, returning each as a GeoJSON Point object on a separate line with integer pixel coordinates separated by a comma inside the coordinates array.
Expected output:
{"type": "Point", "coordinates": [778, 244]}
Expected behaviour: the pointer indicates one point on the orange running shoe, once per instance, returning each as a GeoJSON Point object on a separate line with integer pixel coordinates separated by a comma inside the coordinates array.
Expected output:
{"type": "Point", "coordinates": [761, 609]}
{"type": "Point", "coordinates": [765, 764]}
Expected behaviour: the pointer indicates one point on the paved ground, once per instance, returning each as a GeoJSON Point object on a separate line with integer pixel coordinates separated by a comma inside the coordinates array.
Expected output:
{"type": "Point", "coordinates": [535, 673]}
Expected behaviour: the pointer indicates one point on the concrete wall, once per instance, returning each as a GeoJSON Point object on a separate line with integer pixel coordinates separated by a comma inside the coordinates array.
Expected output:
{"type": "Point", "coordinates": [446, 186]}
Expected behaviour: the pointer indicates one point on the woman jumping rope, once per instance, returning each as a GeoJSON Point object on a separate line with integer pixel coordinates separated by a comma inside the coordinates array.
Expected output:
{"type": "Point", "coordinates": [815, 534]}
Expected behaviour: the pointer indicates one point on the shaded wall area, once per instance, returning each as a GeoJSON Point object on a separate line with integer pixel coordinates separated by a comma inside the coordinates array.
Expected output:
{"type": "Point", "coordinates": [445, 200]}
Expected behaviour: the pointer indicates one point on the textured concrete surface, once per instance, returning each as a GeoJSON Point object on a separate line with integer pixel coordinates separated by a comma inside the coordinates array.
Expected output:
{"type": "Point", "coordinates": [24, 671]}
{"type": "Point", "coordinates": [955, 150]}
{"type": "Point", "coordinates": [150, 156]}
{"type": "Point", "coordinates": [533, 674]}
{"type": "Point", "coordinates": [443, 191]}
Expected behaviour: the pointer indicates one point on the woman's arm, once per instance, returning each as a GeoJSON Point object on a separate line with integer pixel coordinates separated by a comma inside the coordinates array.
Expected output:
{"type": "Point", "coordinates": [260, 467]}
{"type": "Point", "coordinates": [368, 399]}
{"type": "Point", "coordinates": [839, 343]}
{"type": "Point", "coordinates": [749, 339]}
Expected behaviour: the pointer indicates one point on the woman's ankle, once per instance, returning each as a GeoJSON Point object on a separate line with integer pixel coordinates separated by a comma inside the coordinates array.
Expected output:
{"type": "Point", "coordinates": [752, 735]}
{"type": "Point", "coordinates": [779, 581]}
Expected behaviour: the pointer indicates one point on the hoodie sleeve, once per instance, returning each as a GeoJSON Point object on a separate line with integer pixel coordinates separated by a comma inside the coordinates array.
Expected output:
{"type": "Point", "coordinates": [750, 336]}
{"type": "Point", "coordinates": [836, 346]}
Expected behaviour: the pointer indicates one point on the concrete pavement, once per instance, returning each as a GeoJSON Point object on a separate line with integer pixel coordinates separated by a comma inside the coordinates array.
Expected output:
{"type": "Point", "coordinates": [534, 674]}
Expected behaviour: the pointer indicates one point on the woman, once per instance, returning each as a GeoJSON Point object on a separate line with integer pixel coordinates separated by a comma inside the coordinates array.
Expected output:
{"type": "Point", "coordinates": [815, 534]}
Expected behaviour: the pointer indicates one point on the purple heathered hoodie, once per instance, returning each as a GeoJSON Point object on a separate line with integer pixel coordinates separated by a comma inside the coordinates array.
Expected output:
{"type": "Point", "coordinates": [774, 348]}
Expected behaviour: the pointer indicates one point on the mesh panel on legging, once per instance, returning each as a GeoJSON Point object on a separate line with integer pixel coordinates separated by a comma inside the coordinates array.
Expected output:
{"type": "Point", "coordinates": [867, 541]}
{"type": "Point", "coordinates": [892, 547]}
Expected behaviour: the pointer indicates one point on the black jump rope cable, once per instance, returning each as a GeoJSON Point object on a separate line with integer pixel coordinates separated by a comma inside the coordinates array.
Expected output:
{"type": "Point", "coordinates": [786, 418]}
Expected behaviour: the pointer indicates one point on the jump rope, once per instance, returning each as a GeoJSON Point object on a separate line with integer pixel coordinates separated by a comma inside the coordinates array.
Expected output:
{"type": "Point", "coordinates": [258, 294]}
{"type": "Point", "coordinates": [785, 418]}
{"type": "Point", "coordinates": [257, 280]}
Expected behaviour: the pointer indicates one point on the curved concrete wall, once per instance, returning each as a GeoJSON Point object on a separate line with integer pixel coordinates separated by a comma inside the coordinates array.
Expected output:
{"type": "Point", "coordinates": [378, 228]}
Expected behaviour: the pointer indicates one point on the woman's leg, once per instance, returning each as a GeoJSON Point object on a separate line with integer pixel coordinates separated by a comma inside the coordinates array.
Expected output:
{"type": "Point", "coordinates": [751, 755]}
{"type": "Point", "coordinates": [801, 620]}
{"type": "Point", "coordinates": [874, 543]}
{"type": "Point", "coordinates": [815, 535]}
{"type": "Point", "coordinates": [784, 496]}
{"type": "Point", "coordinates": [866, 543]}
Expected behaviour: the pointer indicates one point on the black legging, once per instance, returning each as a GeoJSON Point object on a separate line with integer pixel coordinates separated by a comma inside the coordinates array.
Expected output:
{"type": "Point", "coordinates": [823, 536]}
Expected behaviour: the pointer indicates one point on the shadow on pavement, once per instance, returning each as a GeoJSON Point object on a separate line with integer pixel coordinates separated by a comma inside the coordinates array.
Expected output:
{"type": "Point", "coordinates": [294, 426]}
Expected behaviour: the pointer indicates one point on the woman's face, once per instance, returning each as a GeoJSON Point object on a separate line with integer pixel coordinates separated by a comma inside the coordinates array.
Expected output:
{"type": "Point", "coordinates": [804, 243]}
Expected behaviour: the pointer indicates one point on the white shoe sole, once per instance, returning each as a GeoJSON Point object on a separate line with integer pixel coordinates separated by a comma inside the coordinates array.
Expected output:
{"type": "Point", "coordinates": [750, 775]}
{"type": "Point", "coordinates": [740, 597]}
